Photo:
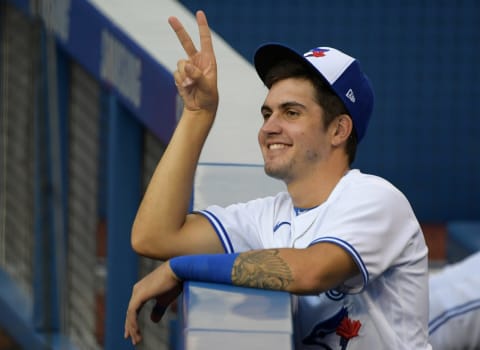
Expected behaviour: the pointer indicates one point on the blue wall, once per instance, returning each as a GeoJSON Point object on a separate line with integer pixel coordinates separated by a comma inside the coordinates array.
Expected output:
{"type": "Point", "coordinates": [422, 57]}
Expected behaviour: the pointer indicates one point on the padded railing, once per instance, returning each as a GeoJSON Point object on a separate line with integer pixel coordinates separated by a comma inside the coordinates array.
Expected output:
{"type": "Point", "coordinates": [214, 316]}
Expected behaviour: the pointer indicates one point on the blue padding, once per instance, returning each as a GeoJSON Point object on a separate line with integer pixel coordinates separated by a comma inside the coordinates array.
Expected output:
{"type": "Point", "coordinates": [463, 239]}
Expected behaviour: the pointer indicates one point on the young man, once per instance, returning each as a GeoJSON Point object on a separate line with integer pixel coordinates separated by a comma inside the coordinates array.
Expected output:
{"type": "Point", "coordinates": [345, 244]}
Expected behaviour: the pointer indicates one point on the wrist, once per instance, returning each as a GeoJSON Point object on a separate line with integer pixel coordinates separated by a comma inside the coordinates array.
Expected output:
{"type": "Point", "coordinates": [200, 113]}
{"type": "Point", "coordinates": [198, 121]}
{"type": "Point", "coordinates": [172, 272]}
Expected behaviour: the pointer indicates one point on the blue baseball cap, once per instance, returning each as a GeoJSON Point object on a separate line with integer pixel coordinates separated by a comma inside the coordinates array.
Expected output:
{"type": "Point", "coordinates": [339, 70]}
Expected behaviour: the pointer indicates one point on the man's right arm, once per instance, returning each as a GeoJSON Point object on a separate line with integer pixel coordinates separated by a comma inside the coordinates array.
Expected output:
{"type": "Point", "coordinates": [162, 228]}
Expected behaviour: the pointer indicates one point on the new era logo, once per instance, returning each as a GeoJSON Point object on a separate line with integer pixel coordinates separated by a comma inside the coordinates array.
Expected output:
{"type": "Point", "coordinates": [350, 95]}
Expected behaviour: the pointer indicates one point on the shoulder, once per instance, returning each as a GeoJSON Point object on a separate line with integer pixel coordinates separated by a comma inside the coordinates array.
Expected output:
{"type": "Point", "coordinates": [356, 178]}
{"type": "Point", "coordinates": [360, 187]}
{"type": "Point", "coordinates": [370, 198]}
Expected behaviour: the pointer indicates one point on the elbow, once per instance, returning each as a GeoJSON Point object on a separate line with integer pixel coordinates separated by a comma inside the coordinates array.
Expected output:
{"type": "Point", "coordinates": [141, 242]}
{"type": "Point", "coordinates": [146, 243]}
{"type": "Point", "coordinates": [138, 242]}
{"type": "Point", "coordinates": [305, 287]}
{"type": "Point", "coordinates": [312, 283]}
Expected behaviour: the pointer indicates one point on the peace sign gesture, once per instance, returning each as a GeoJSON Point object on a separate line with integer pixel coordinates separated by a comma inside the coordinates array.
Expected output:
{"type": "Point", "coordinates": [196, 77]}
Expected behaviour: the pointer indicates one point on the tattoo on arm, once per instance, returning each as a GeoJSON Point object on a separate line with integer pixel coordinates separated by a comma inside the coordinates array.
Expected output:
{"type": "Point", "coordinates": [262, 269]}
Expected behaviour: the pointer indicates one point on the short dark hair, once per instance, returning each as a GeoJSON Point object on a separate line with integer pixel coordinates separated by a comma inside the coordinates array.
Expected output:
{"type": "Point", "coordinates": [325, 96]}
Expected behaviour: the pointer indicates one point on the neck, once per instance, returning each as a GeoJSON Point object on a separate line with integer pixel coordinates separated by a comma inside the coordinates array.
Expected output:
{"type": "Point", "coordinates": [313, 190]}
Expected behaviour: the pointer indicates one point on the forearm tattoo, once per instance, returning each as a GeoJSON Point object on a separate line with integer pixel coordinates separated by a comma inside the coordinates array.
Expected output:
{"type": "Point", "coordinates": [262, 269]}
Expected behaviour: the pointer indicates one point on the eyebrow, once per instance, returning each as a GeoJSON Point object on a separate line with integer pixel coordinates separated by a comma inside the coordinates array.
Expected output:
{"type": "Point", "coordinates": [284, 105]}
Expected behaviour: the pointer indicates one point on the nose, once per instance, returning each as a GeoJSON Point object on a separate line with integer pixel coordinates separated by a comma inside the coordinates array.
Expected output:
{"type": "Point", "coordinates": [271, 125]}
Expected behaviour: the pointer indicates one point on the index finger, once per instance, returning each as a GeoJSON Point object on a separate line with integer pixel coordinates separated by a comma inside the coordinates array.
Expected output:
{"type": "Point", "coordinates": [186, 40]}
{"type": "Point", "coordinates": [182, 36]}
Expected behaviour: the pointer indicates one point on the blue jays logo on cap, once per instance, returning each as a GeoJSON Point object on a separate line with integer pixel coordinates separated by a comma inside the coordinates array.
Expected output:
{"type": "Point", "coordinates": [318, 52]}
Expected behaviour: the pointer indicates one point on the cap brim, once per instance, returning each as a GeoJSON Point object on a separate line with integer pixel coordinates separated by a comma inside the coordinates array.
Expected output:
{"type": "Point", "coordinates": [269, 55]}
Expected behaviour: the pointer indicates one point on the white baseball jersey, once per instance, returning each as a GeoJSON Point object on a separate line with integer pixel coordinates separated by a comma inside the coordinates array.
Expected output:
{"type": "Point", "coordinates": [387, 303]}
{"type": "Point", "coordinates": [455, 305]}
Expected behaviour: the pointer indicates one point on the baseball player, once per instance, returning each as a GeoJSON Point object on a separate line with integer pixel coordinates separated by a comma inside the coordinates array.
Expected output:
{"type": "Point", "coordinates": [346, 244]}
{"type": "Point", "coordinates": [455, 306]}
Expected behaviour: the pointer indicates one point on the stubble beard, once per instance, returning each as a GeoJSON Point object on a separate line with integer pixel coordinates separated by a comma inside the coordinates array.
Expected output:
{"type": "Point", "coordinates": [280, 172]}
{"type": "Point", "coordinates": [285, 171]}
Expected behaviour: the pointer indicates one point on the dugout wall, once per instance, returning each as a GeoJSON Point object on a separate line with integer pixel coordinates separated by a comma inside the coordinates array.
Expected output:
{"type": "Point", "coordinates": [75, 159]}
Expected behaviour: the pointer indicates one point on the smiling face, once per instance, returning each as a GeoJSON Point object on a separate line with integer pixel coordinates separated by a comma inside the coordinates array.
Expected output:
{"type": "Point", "coordinates": [293, 139]}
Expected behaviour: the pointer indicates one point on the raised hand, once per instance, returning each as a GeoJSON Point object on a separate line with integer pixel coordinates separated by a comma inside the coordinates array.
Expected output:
{"type": "Point", "coordinates": [196, 77]}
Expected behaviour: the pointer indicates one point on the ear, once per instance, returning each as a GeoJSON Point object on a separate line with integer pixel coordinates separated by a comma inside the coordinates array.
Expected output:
{"type": "Point", "coordinates": [342, 128]}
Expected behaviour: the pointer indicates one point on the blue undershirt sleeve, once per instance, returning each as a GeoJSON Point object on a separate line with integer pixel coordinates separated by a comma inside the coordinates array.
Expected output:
{"type": "Point", "coordinates": [214, 268]}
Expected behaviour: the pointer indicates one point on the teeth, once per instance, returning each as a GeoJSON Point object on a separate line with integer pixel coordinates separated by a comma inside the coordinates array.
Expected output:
{"type": "Point", "coordinates": [276, 146]}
